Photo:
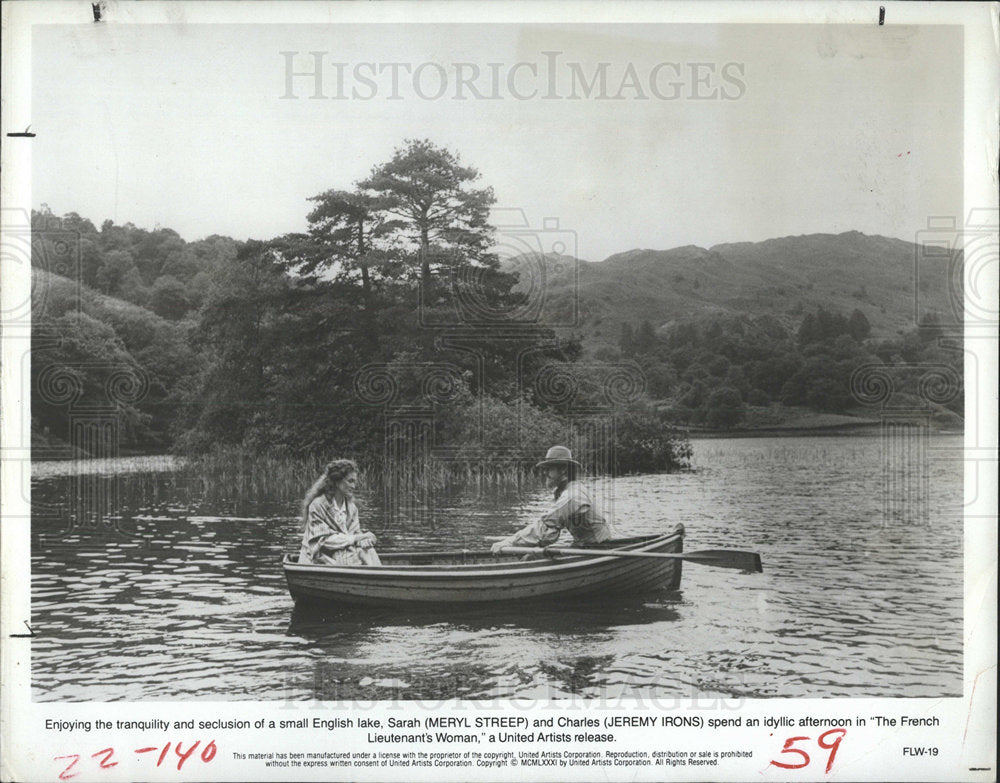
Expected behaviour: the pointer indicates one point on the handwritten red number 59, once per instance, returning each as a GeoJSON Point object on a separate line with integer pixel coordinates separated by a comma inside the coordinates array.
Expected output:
{"type": "Point", "coordinates": [821, 741]}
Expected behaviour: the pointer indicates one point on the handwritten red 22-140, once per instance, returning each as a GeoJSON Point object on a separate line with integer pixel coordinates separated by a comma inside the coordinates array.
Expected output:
{"type": "Point", "coordinates": [104, 757]}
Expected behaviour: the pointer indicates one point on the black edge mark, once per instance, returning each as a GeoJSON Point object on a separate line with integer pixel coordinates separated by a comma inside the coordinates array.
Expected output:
{"type": "Point", "coordinates": [97, 11]}
{"type": "Point", "coordinates": [881, 15]}
{"type": "Point", "coordinates": [26, 133]}
{"type": "Point", "coordinates": [27, 635]}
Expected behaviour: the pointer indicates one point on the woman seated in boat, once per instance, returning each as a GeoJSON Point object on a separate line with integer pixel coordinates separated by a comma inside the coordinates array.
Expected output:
{"type": "Point", "coordinates": [332, 534]}
{"type": "Point", "coordinates": [571, 509]}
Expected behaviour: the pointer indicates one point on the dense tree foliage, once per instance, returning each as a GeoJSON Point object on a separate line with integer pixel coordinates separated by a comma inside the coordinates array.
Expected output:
{"type": "Point", "coordinates": [269, 345]}
{"type": "Point", "coordinates": [391, 304]}
{"type": "Point", "coordinates": [712, 372]}
{"type": "Point", "coordinates": [427, 188]}
{"type": "Point", "coordinates": [155, 269]}
{"type": "Point", "coordinates": [82, 341]}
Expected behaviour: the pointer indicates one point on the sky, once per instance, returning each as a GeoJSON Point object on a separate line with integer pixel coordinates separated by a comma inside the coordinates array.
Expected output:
{"type": "Point", "coordinates": [700, 134]}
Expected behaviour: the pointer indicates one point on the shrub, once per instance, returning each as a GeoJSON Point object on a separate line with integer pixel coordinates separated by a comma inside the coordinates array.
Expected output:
{"type": "Point", "coordinates": [724, 408]}
{"type": "Point", "coordinates": [646, 443]}
{"type": "Point", "coordinates": [758, 398]}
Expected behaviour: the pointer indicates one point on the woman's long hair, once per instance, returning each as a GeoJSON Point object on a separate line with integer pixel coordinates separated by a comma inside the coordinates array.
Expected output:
{"type": "Point", "coordinates": [333, 474]}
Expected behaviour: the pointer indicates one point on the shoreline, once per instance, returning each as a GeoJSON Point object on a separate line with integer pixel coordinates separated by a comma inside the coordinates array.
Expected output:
{"type": "Point", "coordinates": [860, 428]}
{"type": "Point", "coordinates": [830, 430]}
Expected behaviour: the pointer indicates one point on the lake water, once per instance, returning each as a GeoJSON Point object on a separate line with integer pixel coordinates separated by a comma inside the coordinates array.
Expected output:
{"type": "Point", "coordinates": [188, 600]}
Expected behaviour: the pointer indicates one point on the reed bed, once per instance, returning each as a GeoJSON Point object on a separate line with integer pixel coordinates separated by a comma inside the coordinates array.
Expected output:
{"type": "Point", "coordinates": [284, 478]}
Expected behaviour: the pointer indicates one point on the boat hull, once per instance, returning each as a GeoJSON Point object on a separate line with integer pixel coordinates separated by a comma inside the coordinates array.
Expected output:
{"type": "Point", "coordinates": [465, 577]}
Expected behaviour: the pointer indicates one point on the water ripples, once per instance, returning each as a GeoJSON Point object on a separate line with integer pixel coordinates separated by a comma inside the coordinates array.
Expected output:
{"type": "Point", "coordinates": [195, 606]}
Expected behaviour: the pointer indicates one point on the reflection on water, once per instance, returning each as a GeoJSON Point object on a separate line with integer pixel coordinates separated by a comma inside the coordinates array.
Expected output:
{"type": "Point", "coordinates": [190, 602]}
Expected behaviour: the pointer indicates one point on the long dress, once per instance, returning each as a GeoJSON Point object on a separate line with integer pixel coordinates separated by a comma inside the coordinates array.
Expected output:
{"type": "Point", "coordinates": [329, 533]}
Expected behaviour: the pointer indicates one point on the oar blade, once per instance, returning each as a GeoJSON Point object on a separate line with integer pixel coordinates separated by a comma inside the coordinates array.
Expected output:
{"type": "Point", "coordinates": [727, 558]}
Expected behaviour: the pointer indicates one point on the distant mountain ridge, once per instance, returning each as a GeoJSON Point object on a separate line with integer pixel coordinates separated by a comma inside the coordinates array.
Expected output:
{"type": "Point", "coordinates": [783, 277]}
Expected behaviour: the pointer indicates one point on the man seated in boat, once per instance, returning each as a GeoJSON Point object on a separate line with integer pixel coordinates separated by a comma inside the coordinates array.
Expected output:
{"type": "Point", "coordinates": [572, 508]}
{"type": "Point", "coordinates": [332, 534]}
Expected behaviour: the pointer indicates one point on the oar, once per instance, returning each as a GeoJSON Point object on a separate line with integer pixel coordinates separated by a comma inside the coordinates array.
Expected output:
{"type": "Point", "coordinates": [720, 558]}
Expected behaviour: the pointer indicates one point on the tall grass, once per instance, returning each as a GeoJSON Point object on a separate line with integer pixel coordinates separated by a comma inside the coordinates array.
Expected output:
{"type": "Point", "coordinates": [284, 478]}
{"type": "Point", "coordinates": [233, 472]}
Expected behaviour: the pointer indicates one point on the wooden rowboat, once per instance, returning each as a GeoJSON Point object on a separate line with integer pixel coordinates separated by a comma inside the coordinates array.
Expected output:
{"type": "Point", "coordinates": [472, 577]}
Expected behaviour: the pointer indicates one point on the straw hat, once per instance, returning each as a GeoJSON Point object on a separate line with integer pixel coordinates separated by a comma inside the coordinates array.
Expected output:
{"type": "Point", "coordinates": [558, 455]}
